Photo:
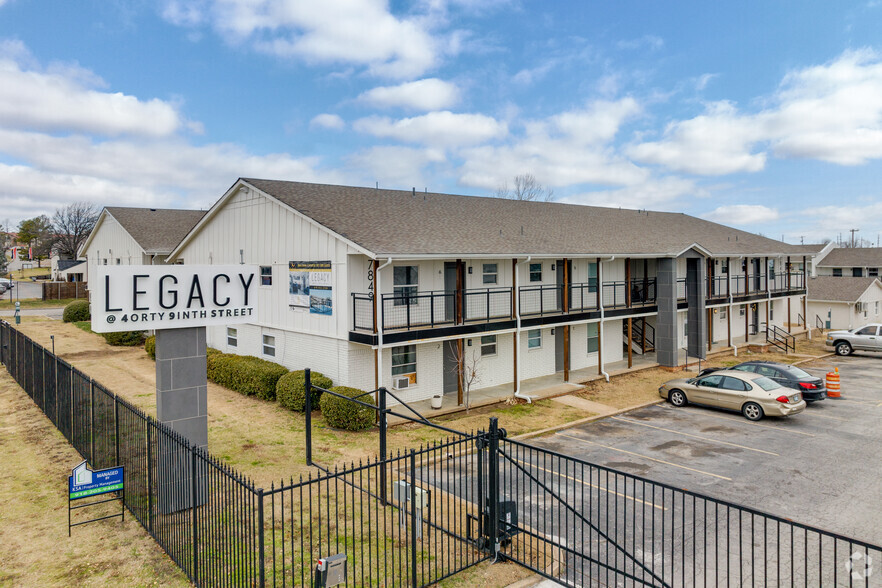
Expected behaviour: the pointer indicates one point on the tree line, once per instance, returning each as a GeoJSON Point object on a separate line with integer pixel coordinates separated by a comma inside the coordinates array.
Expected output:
{"type": "Point", "coordinates": [62, 234]}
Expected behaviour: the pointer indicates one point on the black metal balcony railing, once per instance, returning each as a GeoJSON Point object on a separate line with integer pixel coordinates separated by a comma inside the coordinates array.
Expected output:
{"type": "Point", "coordinates": [439, 308]}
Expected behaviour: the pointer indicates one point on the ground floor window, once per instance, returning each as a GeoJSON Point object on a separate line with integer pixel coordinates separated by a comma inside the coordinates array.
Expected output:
{"type": "Point", "coordinates": [266, 275]}
{"type": "Point", "coordinates": [269, 345]}
{"type": "Point", "coordinates": [873, 272]}
{"type": "Point", "coordinates": [534, 339]}
{"type": "Point", "coordinates": [593, 338]}
{"type": "Point", "coordinates": [404, 360]}
{"type": "Point", "coordinates": [232, 337]}
{"type": "Point", "coordinates": [488, 345]}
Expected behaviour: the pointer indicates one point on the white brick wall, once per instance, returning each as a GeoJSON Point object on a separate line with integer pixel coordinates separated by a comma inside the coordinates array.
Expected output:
{"type": "Point", "coordinates": [537, 362]}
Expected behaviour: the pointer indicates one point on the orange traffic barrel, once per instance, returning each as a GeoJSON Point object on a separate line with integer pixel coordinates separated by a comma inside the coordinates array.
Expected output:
{"type": "Point", "coordinates": [833, 384]}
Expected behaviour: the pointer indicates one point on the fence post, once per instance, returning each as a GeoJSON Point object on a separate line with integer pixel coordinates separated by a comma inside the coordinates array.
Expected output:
{"type": "Point", "coordinates": [55, 385]}
{"type": "Point", "coordinates": [260, 538]}
{"type": "Point", "coordinates": [383, 424]}
{"type": "Point", "coordinates": [193, 513]}
{"type": "Point", "coordinates": [116, 428]}
{"type": "Point", "coordinates": [413, 519]}
{"type": "Point", "coordinates": [308, 406]}
{"type": "Point", "coordinates": [493, 486]}
{"type": "Point", "coordinates": [92, 421]}
{"type": "Point", "coordinates": [149, 422]}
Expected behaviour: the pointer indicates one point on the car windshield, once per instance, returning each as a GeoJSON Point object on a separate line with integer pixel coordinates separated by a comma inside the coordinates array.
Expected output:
{"type": "Point", "coordinates": [766, 383]}
{"type": "Point", "coordinates": [795, 371]}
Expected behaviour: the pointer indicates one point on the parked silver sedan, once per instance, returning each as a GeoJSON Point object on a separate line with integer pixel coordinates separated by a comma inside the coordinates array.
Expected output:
{"type": "Point", "coordinates": [752, 395]}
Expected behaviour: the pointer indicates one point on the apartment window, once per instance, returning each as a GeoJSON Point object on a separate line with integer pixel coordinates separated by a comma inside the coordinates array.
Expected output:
{"type": "Point", "coordinates": [105, 261]}
{"type": "Point", "coordinates": [877, 308]}
{"type": "Point", "coordinates": [857, 272]}
{"type": "Point", "coordinates": [593, 338]}
{"type": "Point", "coordinates": [534, 339]}
{"type": "Point", "coordinates": [118, 261]}
{"type": "Point", "coordinates": [404, 360]}
{"type": "Point", "coordinates": [722, 313]}
{"type": "Point", "coordinates": [232, 337]}
{"type": "Point", "coordinates": [873, 272]}
{"type": "Point", "coordinates": [771, 269]}
{"type": "Point", "coordinates": [269, 345]}
{"type": "Point", "coordinates": [535, 272]}
{"type": "Point", "coordinates": [724, 266]}
{"type": "Point", "coordinates": [405, 282]}
{"type": "Point", "coordinates": [592, 277]}
{"type": "Point", "coordinates": [837, 271]}
{"type": "Point", "coordinates": [491, 273]}
{"type": "Point", "coordinates": [488, 345]}
{"type": "Point", "coordinates": [266, 275]}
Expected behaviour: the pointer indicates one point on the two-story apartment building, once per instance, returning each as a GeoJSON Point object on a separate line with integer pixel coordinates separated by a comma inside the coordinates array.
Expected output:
{"type": "Point", "coordinates": [853, 262]}
{"type": "Point", "coordinates": [402, 289]}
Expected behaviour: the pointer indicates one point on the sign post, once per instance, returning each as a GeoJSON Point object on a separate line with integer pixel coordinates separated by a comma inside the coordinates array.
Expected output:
{"type": "Point", "coordinates": [86, 483]}
{"type": "Point", "coordinates": [178, 302]}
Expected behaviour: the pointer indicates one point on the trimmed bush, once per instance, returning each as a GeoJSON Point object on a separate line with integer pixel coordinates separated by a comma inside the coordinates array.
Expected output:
{"type": "Point", "coordinates": [291, 390]}
{"type": "Point", "coordinates": [345, 414]}
{"type": "Point", "coordinates": [150, 346]}
{"type": "Point", "coordinates": [248, 375]}
{"type": "Point", "coordinates": [124, 339]}
{"type": "Point", "coordinates": [76, 311]}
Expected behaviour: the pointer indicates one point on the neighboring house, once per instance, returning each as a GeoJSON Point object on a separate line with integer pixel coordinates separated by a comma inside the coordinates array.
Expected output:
{"type": "Point", "coordinates": [69, 270]}
{"type": "Point", "coordinates": [816, 251]}
{"type": "Point", "coordinates": [850, 262]}
{"type": "Point", "coordinates": [844, 302]}
{"type": "Point", "coordinates": [136, 236]}
{"type": "Point", "coordinates": [527, 288]}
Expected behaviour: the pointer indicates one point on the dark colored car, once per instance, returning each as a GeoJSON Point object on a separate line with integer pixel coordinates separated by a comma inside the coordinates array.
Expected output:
{"type": "Point", "coordinates": [790, 376]}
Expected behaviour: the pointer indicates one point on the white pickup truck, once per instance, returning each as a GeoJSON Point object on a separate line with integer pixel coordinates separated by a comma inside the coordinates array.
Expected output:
{"type": "Point", "coordinates": [867, 338]}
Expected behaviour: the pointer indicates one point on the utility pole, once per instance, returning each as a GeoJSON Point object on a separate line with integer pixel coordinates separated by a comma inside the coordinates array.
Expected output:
{"type": "Point", "coordinates": [853, 231]}
{"type": "Point", "coordinates": [801, 240]}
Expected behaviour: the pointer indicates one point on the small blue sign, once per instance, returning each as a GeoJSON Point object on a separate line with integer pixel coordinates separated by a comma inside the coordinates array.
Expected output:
{"type": "Point", "coordinates": [85, 482]}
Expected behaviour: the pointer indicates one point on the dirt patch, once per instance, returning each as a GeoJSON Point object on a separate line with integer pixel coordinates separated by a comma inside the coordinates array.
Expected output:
{"type": "Point", "coordinates": [33, 516]}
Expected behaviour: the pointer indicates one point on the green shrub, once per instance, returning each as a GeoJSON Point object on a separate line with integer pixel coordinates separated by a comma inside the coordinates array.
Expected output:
{"type": "Point", "coordinates": [76, 311]}
{"type": "Point", "coordinates": [150, 346]}
{"type": "Point", "coordinates": [124, 338]}
{"type": "Point", "coordinates": [248, 375]}
{"type": "Point", "coordinates": [345, 414]}
{"type": "Point", "coordinates": [291, 390]}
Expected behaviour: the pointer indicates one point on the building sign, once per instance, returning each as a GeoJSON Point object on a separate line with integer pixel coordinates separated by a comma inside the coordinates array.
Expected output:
{"type": "Point", "coordinates": [310, 286]}
{"type": "Point", "coordinates": [141, 297]}
{"type": "Point", "coordinates": [84, 482]}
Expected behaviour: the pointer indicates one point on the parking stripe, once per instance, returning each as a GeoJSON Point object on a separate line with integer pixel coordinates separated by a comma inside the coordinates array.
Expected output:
{"type": "Point", "coordinates": [532, 465]}
{"type": "Point", "coordinates": [745, 422]}
{"type": "Point", "coordinates": [696, 436]}
{"type": "Point", "coordinates": [646, 457]}
{"type": "Point", "coordinates": [825, 416]}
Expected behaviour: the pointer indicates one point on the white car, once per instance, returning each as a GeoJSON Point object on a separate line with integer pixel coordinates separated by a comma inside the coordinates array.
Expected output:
{"type": "Point", "coordinates": [8, 283]}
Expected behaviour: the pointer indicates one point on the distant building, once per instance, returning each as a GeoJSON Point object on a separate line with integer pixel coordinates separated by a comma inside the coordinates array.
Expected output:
{"type": "Point", "coordinates": [844, 302]}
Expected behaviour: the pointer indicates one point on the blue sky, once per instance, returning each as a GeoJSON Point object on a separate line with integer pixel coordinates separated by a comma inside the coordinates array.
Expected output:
{"type": "Point", "coordinates": [763, 115]}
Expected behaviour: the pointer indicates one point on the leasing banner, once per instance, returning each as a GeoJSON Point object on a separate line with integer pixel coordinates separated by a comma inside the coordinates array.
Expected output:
{"type": "Point", "coordinates": [310, 286]}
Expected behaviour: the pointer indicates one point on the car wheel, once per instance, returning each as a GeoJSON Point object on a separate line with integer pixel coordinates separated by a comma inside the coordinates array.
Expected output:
{"type": "Point", "coordinates": [752, 411]}
{"type": "Point", "coordinates": [677, 398]}
{"type": "Point", "coordinates": [843, 348]}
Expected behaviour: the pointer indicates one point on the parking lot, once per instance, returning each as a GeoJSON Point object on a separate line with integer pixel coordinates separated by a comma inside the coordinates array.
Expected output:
{"type": "Point", "coordinates": [820, 467]}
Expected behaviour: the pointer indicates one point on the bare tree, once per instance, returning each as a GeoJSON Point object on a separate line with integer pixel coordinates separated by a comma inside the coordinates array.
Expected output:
{"type": "Point", "coordinates": [526, 187]}
{"type": "Point", "coordinates": [71, 225]}
{"type": "Point", "coordinates": [469, 376]}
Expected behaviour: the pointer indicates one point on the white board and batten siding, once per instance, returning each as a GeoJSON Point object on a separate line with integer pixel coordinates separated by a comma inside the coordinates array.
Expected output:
{"type": "Point", "coordinates": [253, 229]}
{"type": "Point", "coordinates": [111, 243]}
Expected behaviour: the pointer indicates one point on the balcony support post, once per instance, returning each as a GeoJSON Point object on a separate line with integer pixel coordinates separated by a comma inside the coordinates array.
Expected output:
{"type": "Point", "coordinates": [645, 284]}
{"type": "Point", "coordinates": [628, 289]}
{"type": "Point", "coordinates": [459, 297]}
{"type": "Point", "coordinates": [630, 341]}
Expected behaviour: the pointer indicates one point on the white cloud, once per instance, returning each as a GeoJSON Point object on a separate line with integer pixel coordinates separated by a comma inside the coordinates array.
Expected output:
{"type": "Point", "coordinates": [396, 166]}
{"type": "Point", "coordinates": [830, 112]}
{"type": "Point", "coordinates": [743, 214]}
{"type": "Point", "coordinates": [427, 94]}
{"type": "Point", "coordinates": [652, 192]}
{"type": "Point", "coordinates": [328, 121]}
{"type": "Point", "coordinates": [60, 98]}
{"type": "Point", "coordinates": [570, 148]}
{"type": "Point", "coordinates": [361, 32]}
{"type": "Point", "coordinates": [651, 42]}
{"type": "Point", "coordinates": [438, 129]}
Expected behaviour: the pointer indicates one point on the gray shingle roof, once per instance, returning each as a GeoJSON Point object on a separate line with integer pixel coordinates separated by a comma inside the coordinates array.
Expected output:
{"type": "Point", "coordinates": [858, 257]}
{"type": "Point", "coordinates": [157, 230]}
{"type": "Point", "coordinates": [837, 289]}
{"type": "Point", "coordinates": [809, 248]}
{"type": "Point", "coordinates": [397, 222]}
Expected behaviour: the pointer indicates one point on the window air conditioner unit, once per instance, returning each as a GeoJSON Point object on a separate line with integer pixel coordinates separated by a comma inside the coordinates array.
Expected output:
{"type": "Point", "coordinates": [400, 383]}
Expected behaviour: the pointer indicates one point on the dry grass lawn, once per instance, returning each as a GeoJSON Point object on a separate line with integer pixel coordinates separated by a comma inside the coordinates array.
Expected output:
{"type": "Point", "coordinates": [36, 461]}
{"type": "Point", "coordinates": [10, 305]}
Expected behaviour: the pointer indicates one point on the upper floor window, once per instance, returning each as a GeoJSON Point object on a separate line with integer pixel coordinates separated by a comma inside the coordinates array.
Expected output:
{"type": "Point", "coordinates": [873, 272]}
{"type": "Point", "coordinates": [837, 271]}
{"type": "Point", "coordinates": [105, 261]}
{"type": "Point", "coordinates": [266, 275]}
{"type": "Point", "coordinates": [535, 272]}
{"type": "Point", "coordinates": [118, 261]}
{"type": "Point", "coordinates": [405, 281]}
{"type": "Point", "coordinates": [490, 273]}
{"type": "Point", "coordinates": [857, 272]}
{"type": "Point", "coordinates": [771, 269]}
{"type": "Point", "coordinates": [592, 277]}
